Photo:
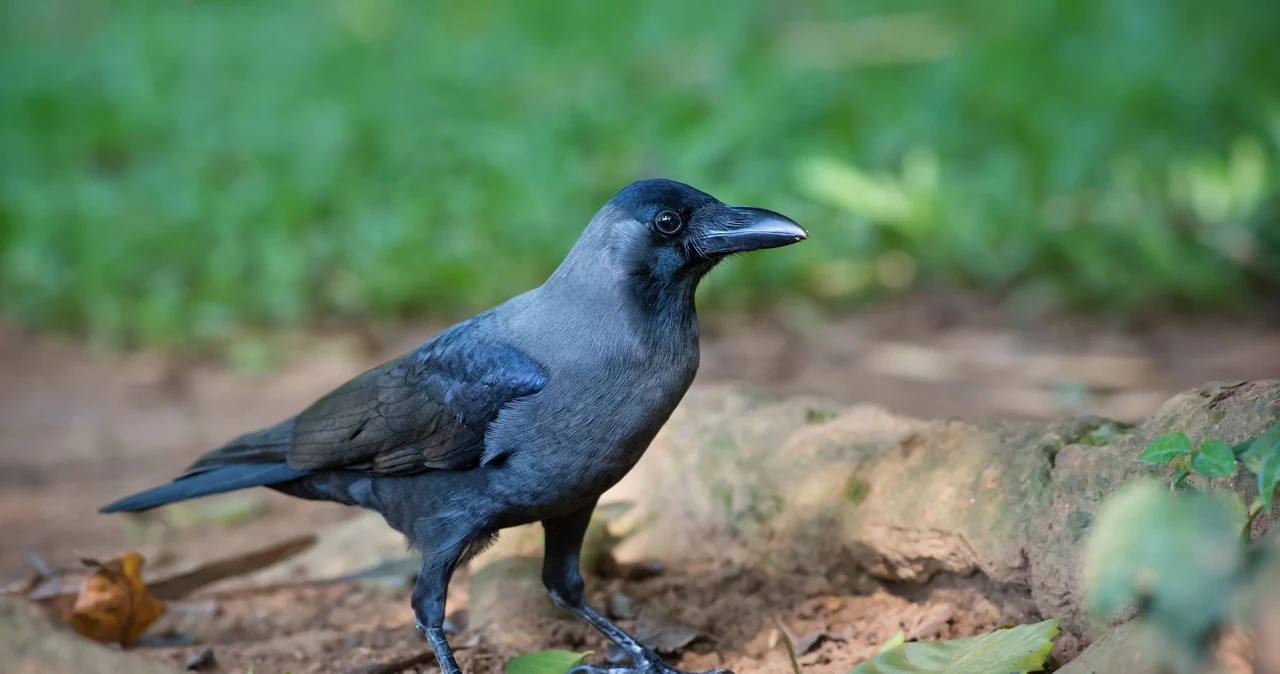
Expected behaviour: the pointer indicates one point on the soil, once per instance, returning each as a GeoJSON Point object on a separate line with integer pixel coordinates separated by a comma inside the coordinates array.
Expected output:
{"type": "Point", "coordinates": [79, 428]}
{"type": "Point", "coordinates": [347, 628]}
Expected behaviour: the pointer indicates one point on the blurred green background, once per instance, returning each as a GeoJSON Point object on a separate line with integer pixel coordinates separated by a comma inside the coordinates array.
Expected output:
{"type": "Point", "coordinates": [173, 172]}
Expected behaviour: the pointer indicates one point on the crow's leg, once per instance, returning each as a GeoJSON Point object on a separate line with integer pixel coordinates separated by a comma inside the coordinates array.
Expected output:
{"type": "Point", "coordinates": [561, 575]}
{"type": "Point", "coordinates": [438, 563]}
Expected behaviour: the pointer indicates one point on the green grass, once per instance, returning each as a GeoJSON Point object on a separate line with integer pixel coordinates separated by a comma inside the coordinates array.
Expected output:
{"type": "Point", "coordinates": [172, 171]}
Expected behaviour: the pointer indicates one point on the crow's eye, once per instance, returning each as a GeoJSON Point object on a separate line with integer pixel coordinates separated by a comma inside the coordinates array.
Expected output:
{"type": "Point", "coordinates": [668, 222]}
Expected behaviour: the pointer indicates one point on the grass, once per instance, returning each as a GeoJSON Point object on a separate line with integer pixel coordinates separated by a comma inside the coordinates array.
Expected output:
{"type": "Point", "coordinates": [173, 172]}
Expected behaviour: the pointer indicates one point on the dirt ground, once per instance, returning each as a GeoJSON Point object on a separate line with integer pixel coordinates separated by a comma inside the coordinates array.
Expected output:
{"type": "Point", "coordinates": [347, 628]}
{"type": "Point", "coordinates": [79, 428]}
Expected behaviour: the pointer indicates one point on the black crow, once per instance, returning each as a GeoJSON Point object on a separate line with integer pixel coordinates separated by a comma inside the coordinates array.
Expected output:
{"type": "Point", "coordinates": [525, 413]}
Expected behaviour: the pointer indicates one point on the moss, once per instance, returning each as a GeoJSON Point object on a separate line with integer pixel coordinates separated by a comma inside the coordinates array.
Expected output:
{"type": "Point", "coordinates": [1078, 523]}
{"type": "Point", "coordinates": [1105, 433]}
{"type": "Point", "coordinates": [766, 508]}
{"type": "Point", "coordinates": [819, 416]}
{"type": "Point", "coordinates": [856, 490]}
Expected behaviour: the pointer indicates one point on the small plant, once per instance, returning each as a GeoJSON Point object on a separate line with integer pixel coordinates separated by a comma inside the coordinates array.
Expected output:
{"type": "Point", "coordinates": [1260, 457]}
{"type": "Point", "coordinates": [1181, 556]}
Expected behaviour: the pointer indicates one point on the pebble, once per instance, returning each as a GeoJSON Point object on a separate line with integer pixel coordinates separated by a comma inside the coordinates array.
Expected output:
{"type": "Point", "coordinates": [202, 660]}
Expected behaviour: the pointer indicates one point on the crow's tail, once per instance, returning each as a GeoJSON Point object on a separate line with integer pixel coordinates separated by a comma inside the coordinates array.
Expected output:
{"type": "Point", "coordinates": [205, 482]}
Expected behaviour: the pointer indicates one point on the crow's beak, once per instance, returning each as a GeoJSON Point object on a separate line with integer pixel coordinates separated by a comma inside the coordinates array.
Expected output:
{"type": "Point", "coordinates": [753, 229]}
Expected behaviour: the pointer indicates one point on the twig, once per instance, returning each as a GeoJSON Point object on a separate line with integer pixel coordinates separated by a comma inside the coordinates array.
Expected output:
{"type": "Point", "coordinates": [791, 649]}
{"type": "Point", "coordinates": [396, 666]}
{"type": "Point", "coordinates": [183, 584]}
{"type": "Point", "coordinates": [37, 563]}
{"type": "Point", "coordinates": [263, 588]}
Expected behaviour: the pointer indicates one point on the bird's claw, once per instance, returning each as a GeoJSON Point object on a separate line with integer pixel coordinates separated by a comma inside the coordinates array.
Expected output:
{"type": "Point", "coordinates": [640, 668]}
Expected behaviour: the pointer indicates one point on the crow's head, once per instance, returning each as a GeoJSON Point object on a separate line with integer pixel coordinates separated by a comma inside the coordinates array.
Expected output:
{"type": "Point", "coordinates": [669, 232]}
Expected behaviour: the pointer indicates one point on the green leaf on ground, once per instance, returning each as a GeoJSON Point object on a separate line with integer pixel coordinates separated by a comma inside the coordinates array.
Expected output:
{"type": "Point", "coordinates": [894, 641]}
{"type": "Point", "coordinates": [545, 662]}
{"type": "Point", "coordinates": [1253, 452]}
{"type": "Point", "coordinates": [1018, 650]}
{"type": "Point", "coordinates": [1215, 459]}
{"type": "Point", "coordinates": [1166, 448]}
{"type": "Point", "coordinates": [1268, 475]}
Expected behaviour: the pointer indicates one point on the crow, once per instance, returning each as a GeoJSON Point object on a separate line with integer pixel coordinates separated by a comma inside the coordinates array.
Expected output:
{"type": "Point", "coordinates": [525, 413]}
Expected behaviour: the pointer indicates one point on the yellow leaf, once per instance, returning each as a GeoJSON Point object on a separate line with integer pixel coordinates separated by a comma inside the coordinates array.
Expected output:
{"type": "Point", "coordinates": [113, 605]}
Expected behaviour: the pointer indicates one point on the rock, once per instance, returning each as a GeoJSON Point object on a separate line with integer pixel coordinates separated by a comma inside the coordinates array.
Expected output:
{"type": "Point", "coordinates": [34, 642]}
{"type": "Point", "coordinates": [202, 660]}
{"type": "Point", "coordinates": [508, 603]}
{"type": "Point", "coordinates": [621, 607]}
{"type": "Point", "coordinates": [741, 464]}
{"type": "Point", "coordinates": [767, 482]}
{"type": "Point", "coordinates": [803, 486]}
{"type": "Point", "coordinates": [1127, 649]}
{"type": "Point", "coordinates": [362, 542]}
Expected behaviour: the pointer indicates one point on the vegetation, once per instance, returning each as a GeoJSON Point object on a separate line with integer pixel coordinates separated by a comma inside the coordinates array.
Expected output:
{"type": "Point", "coordinates": [1012, 650]}
{"type": "Point", "coordinates": [170, 172]}
{"type": "Point", "coordinates": [1186, 562]}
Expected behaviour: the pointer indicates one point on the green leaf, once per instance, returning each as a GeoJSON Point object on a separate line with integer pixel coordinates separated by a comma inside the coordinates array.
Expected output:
{"type": "Point", "coordinates": [894, 641]}
{"type": "Point", "coordinates": [545, 662]}
{"type": "Point", "coordinates": [1145, 547]}
{"type": "Point", "coordinates": [1165, 448]}
{"type": "Point", "coordinates": [1235, 505]}
{"type": "Point", "coordinates": [1268, 475]}
{"type": "Point", "coordinates": [1013, 651]}
{"type": "Point", "coordinates": [1178, 477]}
{"type": "Point", "coordinates": [1215, 459]}
{"type": "Point", "coordinates": [1252, 453]}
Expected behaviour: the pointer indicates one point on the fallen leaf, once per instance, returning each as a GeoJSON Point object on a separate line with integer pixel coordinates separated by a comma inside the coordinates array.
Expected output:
{"type": "Point", "coordinates": [62, 588]}
{"type": "Point", "coordinates": [1014, 651]}
{"type": "Point", "coordinates": [113, 605]}
{"type": "Point", "coordinates": [659, 632]}
{"type": "Point", "coordinates": [894, 641]}
{"type": "Point", "coordinates": [545, 662]}
{"type": "Point", "coordinates": [666, 637]}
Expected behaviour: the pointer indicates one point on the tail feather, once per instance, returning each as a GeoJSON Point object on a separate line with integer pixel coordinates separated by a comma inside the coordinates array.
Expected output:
{"type": "Point", "coordinates": [206, 482]}
{"type": "Point", "coordinates": [269, 445]}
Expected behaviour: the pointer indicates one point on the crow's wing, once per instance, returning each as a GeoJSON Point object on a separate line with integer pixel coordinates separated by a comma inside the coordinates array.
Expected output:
{"type": "Point", "coordinates": [428, 409]}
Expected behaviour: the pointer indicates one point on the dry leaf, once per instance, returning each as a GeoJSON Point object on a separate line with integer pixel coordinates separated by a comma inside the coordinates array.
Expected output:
{"type": "Point", "coordinates": [113, 605]}
{"type": "Point", "coordinates": [660, 632]}
{"type": "Point", "coordinates": [61, 589]}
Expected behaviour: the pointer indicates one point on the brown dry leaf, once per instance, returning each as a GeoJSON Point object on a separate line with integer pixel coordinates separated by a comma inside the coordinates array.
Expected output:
{"type": "Point", "coordinates": [60, 589]}
{"type": "Point", "coordinates": [113, 605]}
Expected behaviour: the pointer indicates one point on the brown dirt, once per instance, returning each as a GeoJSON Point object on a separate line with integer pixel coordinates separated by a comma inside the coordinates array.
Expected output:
{"type": "Point", "coordinates": [345, 628]}
{"type": "Point", "coordinates": [79, 428]}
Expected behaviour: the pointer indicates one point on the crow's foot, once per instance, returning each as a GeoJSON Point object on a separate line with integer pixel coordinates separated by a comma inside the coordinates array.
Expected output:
{"type": "Point", "coordinates": [439, 644]}
{"type": "Point", "coordinates": [643, 667]}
